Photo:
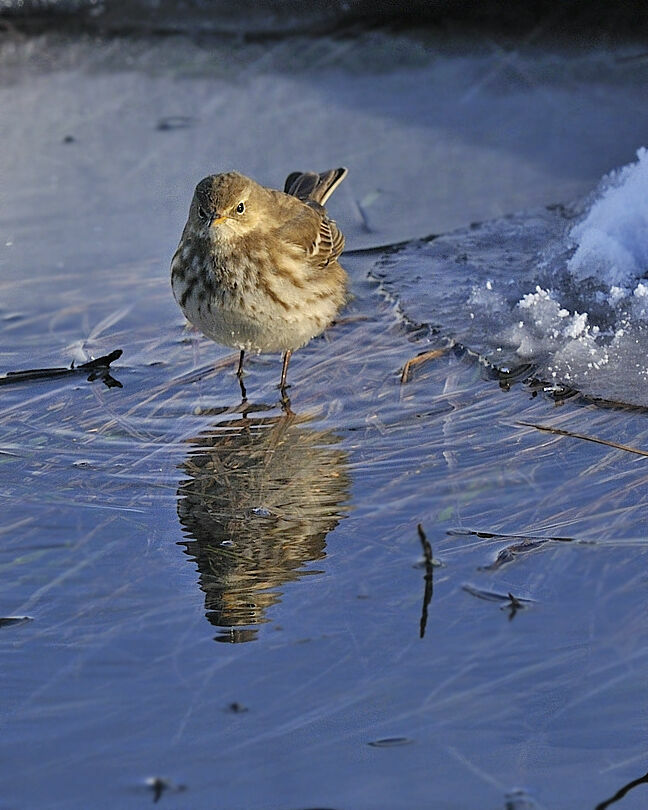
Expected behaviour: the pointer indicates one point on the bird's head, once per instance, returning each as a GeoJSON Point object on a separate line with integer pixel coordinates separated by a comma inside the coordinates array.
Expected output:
{"type": "Point", "coordinates": [225, 206]}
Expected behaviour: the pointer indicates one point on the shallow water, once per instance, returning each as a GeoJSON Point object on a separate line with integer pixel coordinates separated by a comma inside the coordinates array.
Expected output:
{"type": "Point", "coordinates": [148, 526]}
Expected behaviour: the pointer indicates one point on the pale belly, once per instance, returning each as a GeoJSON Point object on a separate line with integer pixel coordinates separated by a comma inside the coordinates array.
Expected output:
{"type": "Point", "coordinates": [262, 326]}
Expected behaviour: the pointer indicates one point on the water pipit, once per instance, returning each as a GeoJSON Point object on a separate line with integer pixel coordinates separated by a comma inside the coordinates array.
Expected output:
{"type": "Point", "coordinates": [256, 268]}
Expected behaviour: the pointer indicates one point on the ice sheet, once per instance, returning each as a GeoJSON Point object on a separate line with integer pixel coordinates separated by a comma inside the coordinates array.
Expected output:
{"type": "Point", "coordinates": [537, 288]}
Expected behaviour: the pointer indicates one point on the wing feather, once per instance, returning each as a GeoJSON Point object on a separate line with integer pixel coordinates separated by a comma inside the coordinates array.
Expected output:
{"type": "Point", "coordinates": [310, 186]}
{"type": "Point", "coordinates": [309, 228]}
{"type": "Point", "coordinates": [328, 243]}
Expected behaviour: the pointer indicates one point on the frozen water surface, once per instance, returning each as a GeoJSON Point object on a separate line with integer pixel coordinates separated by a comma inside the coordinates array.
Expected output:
{"type": "Point", "coordinates": [146, 527]}
{"type": "Point", "coordinates": [564, 289]}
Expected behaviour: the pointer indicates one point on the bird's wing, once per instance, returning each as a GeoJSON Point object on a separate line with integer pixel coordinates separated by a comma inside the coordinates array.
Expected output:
{"type": "Point", "coordinates": [328, 243]}
{"type": "Point", "coordinates": [312, 230]}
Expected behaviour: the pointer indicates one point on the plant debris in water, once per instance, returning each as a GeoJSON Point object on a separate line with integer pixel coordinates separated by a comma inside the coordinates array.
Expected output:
{"type": "Point", "coordinates": [98, 369]}
{"type": "Point", "coordinates": [508, 601]}
{"type": "Point", "coordinates": [10, 621]}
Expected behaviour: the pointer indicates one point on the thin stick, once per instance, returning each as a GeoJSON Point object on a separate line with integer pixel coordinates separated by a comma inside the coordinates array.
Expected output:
{"type": "Point", "coordinates": [642, 780]}
{"type": "Point", "coordinates": [420, 358]}
{"type": "Point", "coordinates": [100, 364]}
{"type": "Point", "coordinates": [561, 432]}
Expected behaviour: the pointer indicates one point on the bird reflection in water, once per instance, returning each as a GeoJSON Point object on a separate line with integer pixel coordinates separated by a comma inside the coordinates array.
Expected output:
{"type": "Point", "coordinates": [261, 494]}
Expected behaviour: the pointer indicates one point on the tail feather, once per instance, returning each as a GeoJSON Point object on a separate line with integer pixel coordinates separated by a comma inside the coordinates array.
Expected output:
{"type": "Point", "coordinates": [312, 186]}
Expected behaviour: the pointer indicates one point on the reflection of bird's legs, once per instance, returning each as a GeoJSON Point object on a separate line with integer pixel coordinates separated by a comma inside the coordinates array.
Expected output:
{"type": "Point", "coordinates": [284, 371]}
{"type": "Point", "coordinates": [285, 405]}
{"type": "Point", "coordinates": [239, 374]}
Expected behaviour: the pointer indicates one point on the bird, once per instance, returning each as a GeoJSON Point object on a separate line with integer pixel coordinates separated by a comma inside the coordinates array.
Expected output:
{"type": "Point", "coordinates": [256, 268]}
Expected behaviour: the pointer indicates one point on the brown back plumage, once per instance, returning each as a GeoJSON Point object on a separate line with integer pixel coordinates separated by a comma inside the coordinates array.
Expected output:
{"type": "Point", "coordinates": [312, 186]}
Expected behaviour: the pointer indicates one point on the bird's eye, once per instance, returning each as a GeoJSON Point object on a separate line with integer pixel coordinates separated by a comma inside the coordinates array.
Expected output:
{"type": "Point", "coordinates": [240, 208]}
{"type": "Point", "coordinates": [202, 213]}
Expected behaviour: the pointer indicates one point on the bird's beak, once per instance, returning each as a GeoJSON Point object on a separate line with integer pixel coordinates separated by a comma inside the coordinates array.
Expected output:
{"type": "Point", "coordinates": [217, 221]}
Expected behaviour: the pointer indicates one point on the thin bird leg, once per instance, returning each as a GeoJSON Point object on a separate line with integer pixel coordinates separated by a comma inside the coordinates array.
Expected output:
{"type": "Point", "coordinates": [239, 374]}
{"type": "Point", "coordinates": [284, 371]}
{"type": "Point", "coordinates": [239, 370]}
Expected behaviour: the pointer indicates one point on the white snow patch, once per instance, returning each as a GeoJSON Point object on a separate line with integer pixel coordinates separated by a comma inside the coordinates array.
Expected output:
{"type": "Point", "coordinates": [612, 240]}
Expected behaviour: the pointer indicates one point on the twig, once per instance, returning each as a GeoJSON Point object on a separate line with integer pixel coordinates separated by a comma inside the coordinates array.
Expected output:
{"type": "Point", "coordinates": [606, 442]}
{"type": "Point", "coordinates": [510, 602]}
{"type": "Point", "coordinates": [514, 605]}
{"type": "Point", "coordinates": [420, 358]}
{"type": "Point", "coordinates": [642, 780]}
{"type": "Point", "coordinates": [97, 368]}
{"type": "Point", "coordinates": [8, 621]}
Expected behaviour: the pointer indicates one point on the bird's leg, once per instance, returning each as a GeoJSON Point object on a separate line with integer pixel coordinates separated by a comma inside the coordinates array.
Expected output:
{"type": "Point", "coordinates": [239, 374]}
{"type": "Point", "coordinates": [284, 371]}
{"type": "Point", "coordinates": [285, 400]}
{"type": "Point", "coordinates": [239, 370]}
